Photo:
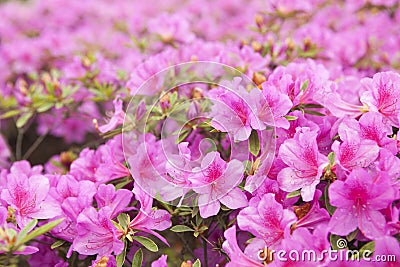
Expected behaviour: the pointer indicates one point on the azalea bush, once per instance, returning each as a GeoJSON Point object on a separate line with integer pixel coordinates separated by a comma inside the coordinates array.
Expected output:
{"type": "Point", "coordinates": [199, 133]}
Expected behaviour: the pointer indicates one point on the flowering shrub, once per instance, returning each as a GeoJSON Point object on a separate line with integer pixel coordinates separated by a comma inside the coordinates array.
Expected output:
{"type": "Point", "coordinates": [199, 133]}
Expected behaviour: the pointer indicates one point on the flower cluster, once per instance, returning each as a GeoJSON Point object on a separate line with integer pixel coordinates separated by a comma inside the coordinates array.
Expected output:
{"type": "Point", "coordinates": [198, 133]}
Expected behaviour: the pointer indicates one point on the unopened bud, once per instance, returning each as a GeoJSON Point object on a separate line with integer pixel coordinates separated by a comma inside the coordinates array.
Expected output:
{"type": "Point", "coordinates": [187, 264]}
{"type": "Point", "coordinates": [259, 20]}
{"type": "Point", "coordinates": [256, 46]}
{"type": "Point", "coordinates": [258, 79]}
{"type": "Point", "coordinates": [197, 93]}
{"type": "Point", "coordinates": [102, 262]}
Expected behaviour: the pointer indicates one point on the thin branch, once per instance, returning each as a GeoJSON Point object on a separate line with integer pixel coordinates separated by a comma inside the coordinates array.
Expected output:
{"type": "Point", "coordinates": [18, 147]}
{"type": "Point", "coordinates": [35, 145]}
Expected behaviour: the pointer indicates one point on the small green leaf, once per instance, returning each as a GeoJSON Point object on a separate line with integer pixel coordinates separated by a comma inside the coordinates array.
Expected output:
{"type": "Point", "coordinates": [27, 229]}
{"type": "Point", "coordinates": [146, 242]}
{"type": "Point", "coordinates": [304, 85]}
{"type": "Point", "coordinates": [350, 237]}
{"type": "Point", "coordinates": [10, 114]}
{"type": "Point", "coordinates": [312, 106]}
{"type": "Point", "coordinates": [181, 229]}
{"type": "Point", "coordinates": [173, 97]}
{"type": "Point", "coordinates": [312, 112]}
{"type": "Point", "coordinates": [331, 158]}
{"type": "Point", "coordinates": [203, 229]}
{"type": "Point", "coordinates": [24, 119]}
{"type": "Point", "coordinates": [334, 241]}
{"type": "Point", "coordinates": [331, 209]}
{"type": "Point", "coordinates": [121, 257]}
{"type": "Point", "coordinates": [40, 231]}
{"type": "Point", "coordinates": [123, 220]}
{"type": "Point", "coordinates": [197, 263]}
{"type": "Point", "coordinates": [57, 244]}
{"type": "Point", "coordinates": [138, 258]}
{"type": "Point", "coordinates": [182, 136]}
{"type": "Point", "coordinates": [122, 184]}
{"type": "Point", "coordinates": [367, 249]}
{"type": "Point", "coordinates": [45, 107]}
{"type": "Point", "coordinates": [291, 118]}
{"type": "Point", "coordinates": [293, 194]}
{"type": "Point", "coordinates": [254, 143]}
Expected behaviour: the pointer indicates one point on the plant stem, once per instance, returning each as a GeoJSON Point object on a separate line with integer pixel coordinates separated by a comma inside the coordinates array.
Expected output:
{"type": "Point", "coordinates": [34, 146]}
{"type": "Point", "coordinates": [18, 146]}
{"type": "Point", "coordinates": [205, 253]}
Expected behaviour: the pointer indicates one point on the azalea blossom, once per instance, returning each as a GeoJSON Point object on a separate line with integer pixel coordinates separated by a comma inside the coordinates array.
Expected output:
{"type": "Point", "coordinates": [305, 163]}
{"type": "Point", "coordinates": [216, 182]}
{"type": "Point", "coordinates": [358, 200]}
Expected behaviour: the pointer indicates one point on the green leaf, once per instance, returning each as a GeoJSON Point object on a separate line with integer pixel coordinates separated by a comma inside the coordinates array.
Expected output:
{"type": "Point", "coordinates": [138, 258]}
{"type": "Point", "coordinates": [173, 97]}
{"type": "Point", "coordinates": [331, 209]}
{"type": "Point", "coordinates": [291, 118]}
{"type": "Point", "coordinates": [312, 106]}
{"type": "Point", "coordinates": [367, 249]}
{"type": "Point", "coordinates": [10, 114]}
{"type": "Point", "coordinates": [45, 107]}
{"type": "Point", "coordinates": [146, 242]}
{"type": "Point", "coordinates": [312, 112]}
{"type": "Point", "coordinates": [203, 228]}
{"type": "Point", "coordinates": [334, 241]}
{"type": "Point", "coordinates": [181, 229]}
{"type": "Point", "coordinates": [24, 119]}
{"type": "Point", "coordinates": [122, 184]}
{"type": "Point", "coordinates": [121, 257]}
{"type": "Point", "coordinates": [350, 237]}
{"type": "Point", "coordinates": [254, 143]}
{"type": "Point", "coordinates": [182, 136]}
{"type": "Point", "coordinates": [40, 231]}
{"type": "Point", "coordinates": [304, 85]}
{"type": "Point", "coordinates": [293, 194]}
{"type": "Point", "coordinates": [197, 263]}
{"type": "Point", "coordinates": [331, 158]}
{"type": "Point", "coordinates": [27, 229]}
{"type": "Point", "coordinates": [123, 220]}
{"type": "Point", "coordinates": [57, 244]}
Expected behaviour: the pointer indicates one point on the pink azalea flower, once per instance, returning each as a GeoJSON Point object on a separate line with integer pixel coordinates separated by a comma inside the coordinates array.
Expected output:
{"type": "Point", "coordinates": [372, 126]}
{"type": "Point", "coordinates": [305, 163]}
{"type": "Point", "coordinates": [116, 119]}
{"type": "Point", "coordinates": [358, 201]}
{"type": "Point", "coordinates": [111, 165]}
{"type": "Point", "coordinates": [171, 27]}
{"type": "Point", "coordinates": [216, 182]}
{"type": "Point", "coordinates": [28, 195]}
{"type": "Point", "coordinates": [149, 219]}
{"type": "Point", "coordinates": [238, 258]}
{"type": "Point", "coordinates": [271, 106]}
{"type": "Point", "coordinates": [266, 219]}
{"type": "Point", "coordinates": [116, 200]}
{"type": "Point", "coordinates": [71, 208]}
{"type": "Point", "coordinates": [315, 216]}
{"type": "Point", "coordinates": [330, 98]}
{"type": "Point", "coordinates": [96, 233]}
{"type": "Point", "coordinates": [231, 111]}
{"type": "Point", "coordinates": [383, 95]}
{"type": "Point", "coordinates": [148, 166]}
{"type": "Point", "coordinates": [161, 262]}
{"type": "Point", "coordinates": [389, 164]}
{"type": "Point", "coordinates": [388, 245]}
{"type": "Point", "coordinates": [353, 151]}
